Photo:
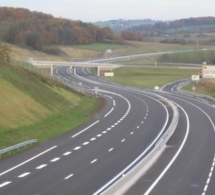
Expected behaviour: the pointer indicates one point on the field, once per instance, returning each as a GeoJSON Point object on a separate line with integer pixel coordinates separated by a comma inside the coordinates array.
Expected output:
{"type": "Point", "coordinates": [148, 77]}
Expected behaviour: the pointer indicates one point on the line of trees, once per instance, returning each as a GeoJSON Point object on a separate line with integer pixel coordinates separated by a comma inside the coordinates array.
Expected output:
{"type": "Point", "coordinates": [35, 29]}
{"type": "Point", "coordinates": [162, 26]}
{"type": "Point", "coordinates": [131, 35]}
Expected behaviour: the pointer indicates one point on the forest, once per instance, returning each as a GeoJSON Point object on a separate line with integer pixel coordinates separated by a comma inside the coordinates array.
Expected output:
{"type": "Point", "coordinates": [43, 32]}
{"type": "Point", "coordinates": [37, 30]}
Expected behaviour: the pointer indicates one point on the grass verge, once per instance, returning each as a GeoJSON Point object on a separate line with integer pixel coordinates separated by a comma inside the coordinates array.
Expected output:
{"type": "Point", "coordinates": [51, 126]}
{"type": "Point", "coordinates": [36, 107]}
{"type": "Point", "coordinates": [148, 77]}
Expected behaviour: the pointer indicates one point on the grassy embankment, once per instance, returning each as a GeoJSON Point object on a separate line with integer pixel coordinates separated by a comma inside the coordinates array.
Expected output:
{"type": "Point", "coordinates": [35, 107]}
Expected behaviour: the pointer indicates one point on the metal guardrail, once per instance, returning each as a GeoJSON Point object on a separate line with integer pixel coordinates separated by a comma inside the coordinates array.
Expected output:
{"type": "Point", "coordinates": [17, 146]}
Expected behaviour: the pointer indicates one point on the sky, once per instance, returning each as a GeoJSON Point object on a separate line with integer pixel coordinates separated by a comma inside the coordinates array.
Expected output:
{"type": "Point", "coordinates": [103, 10]}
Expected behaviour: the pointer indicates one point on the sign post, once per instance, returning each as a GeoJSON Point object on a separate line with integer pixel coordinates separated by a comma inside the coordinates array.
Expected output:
{"type": "Point", "coordinates": [96, 91]}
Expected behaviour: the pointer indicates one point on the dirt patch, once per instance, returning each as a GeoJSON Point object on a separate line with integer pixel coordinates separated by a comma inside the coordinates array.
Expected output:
{"type": "Point", "coordinates": [101, 104]}
{"type": "Point", "coordinates": [209, 84]}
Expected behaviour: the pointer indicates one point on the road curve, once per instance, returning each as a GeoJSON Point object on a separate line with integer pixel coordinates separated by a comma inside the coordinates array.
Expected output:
{"type": "Point", "coordinates": [86, 158]}
{"type": "Point", "coordinates": [187, 165]}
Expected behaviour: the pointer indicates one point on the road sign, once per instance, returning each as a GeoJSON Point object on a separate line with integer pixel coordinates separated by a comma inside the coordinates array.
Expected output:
{"type": "Point", "coordinates": [208, 72]}
{"type": "Point", "coordinates": [109, 74]}
{"type": "Point", "coordinates": [195, 77]}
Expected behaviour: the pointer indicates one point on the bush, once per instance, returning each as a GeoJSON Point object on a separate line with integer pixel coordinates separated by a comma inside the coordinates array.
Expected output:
{"type": "Point", "coordinates": [52, 50]}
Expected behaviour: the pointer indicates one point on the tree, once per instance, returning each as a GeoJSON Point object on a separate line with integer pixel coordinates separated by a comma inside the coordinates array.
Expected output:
{"type": "Point", "coordinates": [5, 53]}
{"type": "Point", "coordinates": [131, 35]}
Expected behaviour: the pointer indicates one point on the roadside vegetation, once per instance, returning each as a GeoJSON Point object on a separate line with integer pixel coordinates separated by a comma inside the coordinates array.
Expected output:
{"type": "Point", "coordinates": [205, 86]}
{"type": "Point", "coordinates": [35, 107]}
{"type": "Point", "coordinates": [149, 77]}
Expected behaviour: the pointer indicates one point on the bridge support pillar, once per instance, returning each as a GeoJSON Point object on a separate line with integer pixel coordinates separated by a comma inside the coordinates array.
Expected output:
{"type": "Point", "coordinates": [74, 70]}
{"type": "Point", "coordinates": [51, 69]}
{"type": "Point", "coordinates": [98, 71]}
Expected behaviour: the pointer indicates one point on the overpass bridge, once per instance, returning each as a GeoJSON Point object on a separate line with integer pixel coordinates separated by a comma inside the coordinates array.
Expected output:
{"type": "Point", "coordinates": [102, 63]}
{"type": "Point", "coordinates": [52, 64]}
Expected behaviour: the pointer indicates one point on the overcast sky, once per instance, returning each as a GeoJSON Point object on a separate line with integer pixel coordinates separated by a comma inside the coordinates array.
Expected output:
{"type": "Point", "coordinates": [102, 10]}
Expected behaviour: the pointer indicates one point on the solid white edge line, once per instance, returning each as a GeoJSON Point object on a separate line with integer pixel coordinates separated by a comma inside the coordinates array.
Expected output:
{"type": "Point", "coordinates": [85, 129]}
{"type": "Point", "coordinates": [19, 165]}
{"type": "Point", "coordinates": [174, 158]}
{"type": "Point", "coordinates": [213, 125]}
{"type": "Point", "coordinates": [109, 112]}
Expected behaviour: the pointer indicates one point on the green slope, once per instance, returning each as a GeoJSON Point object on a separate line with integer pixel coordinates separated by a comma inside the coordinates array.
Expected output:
{"type": "Point", "coordinates": [35, 107]}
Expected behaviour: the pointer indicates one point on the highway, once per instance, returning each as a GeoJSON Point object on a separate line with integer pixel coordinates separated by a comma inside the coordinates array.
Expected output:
{"type": "Point", "coordinates": [187, 165]}
{"type": "Point", "coordinates": [90, 158]}
{"type": "Point", "coordinates": [85, 159]}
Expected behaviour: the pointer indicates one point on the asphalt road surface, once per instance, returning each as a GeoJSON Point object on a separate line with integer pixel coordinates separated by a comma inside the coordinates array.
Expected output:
{"type": "Point", "coordinates": [85, 159]}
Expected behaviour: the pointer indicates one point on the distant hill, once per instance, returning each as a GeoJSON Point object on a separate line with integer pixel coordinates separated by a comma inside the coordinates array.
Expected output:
{"type": "Point", "coordinates": [148, 27]}
{"type": "Point", "coordinates": [189, 25]}
{"type": "Point", "coordinates": [120, 24]}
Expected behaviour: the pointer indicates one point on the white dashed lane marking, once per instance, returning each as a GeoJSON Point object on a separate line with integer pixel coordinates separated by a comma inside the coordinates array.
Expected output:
{"type": "Point", "coordinates": [5, 183]}
{"type": "Point", "coordinates": [209, 177]}
{"type": "Point", "coordinates": [77, 148]}
{"type": "Point", "coordinates": [24, 174]}
{"type": "Point", "coordinates": [41, 166]}
{"type": "Point", "coordinates": [67, 153]}
{"type": "Point", "coordinates": [93, 161]}
{"type": "Point", "coordinates": [85, 143]}
{"type": "Point", "coordinates": [68, 176]}
{"type": "Point", "coordinates": [55, 159]}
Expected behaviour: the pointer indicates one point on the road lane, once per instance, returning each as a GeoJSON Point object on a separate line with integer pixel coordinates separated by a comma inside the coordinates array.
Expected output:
{"type": "Point", "coordinates": [104, 148]}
